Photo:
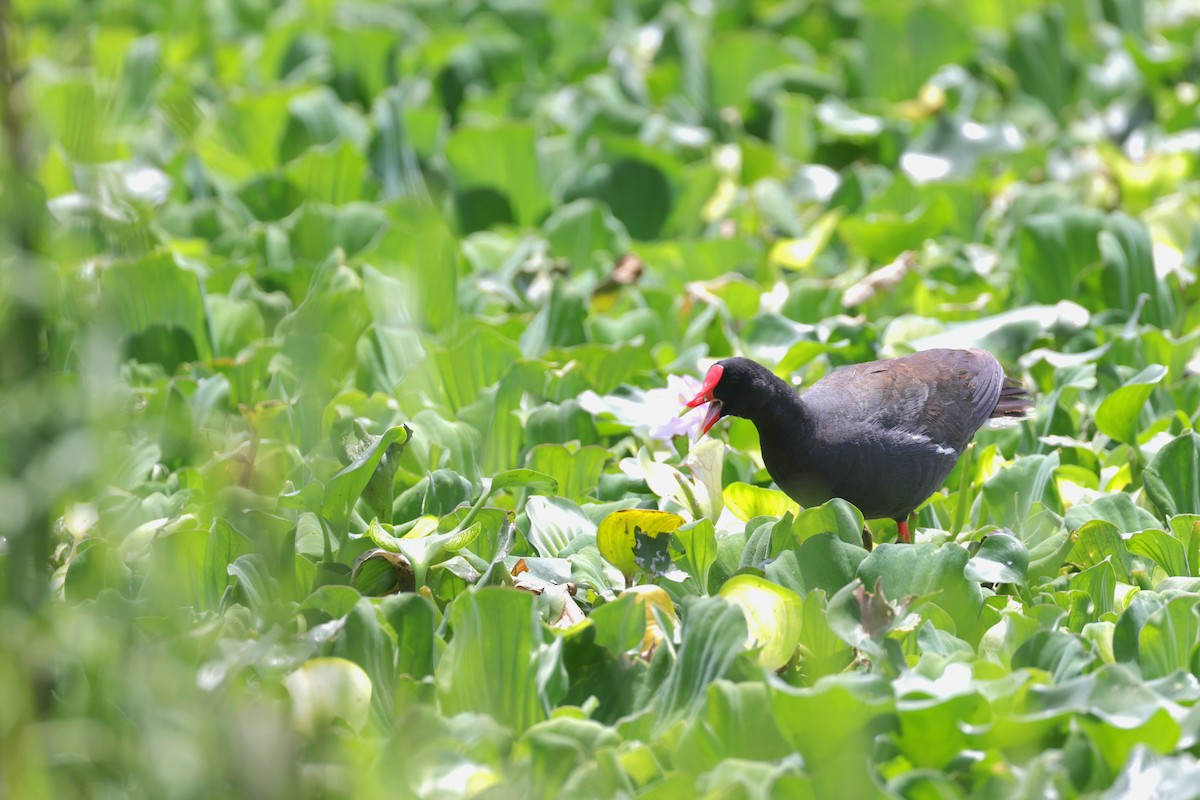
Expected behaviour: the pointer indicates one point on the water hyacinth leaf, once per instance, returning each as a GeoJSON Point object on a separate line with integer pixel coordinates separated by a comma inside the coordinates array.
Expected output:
{"type": "Point", "coordinates": [1001, 558]}
{"type": "Point", "coordinates": [853, 709]}
{"type": "Point", "coordinates": [1118, 509]}
{"type": "Point", "coordinates": [705, 460]}
{"type": "Point", "coordinates": [363, 641]}
{"type": "Point", "coordinates": [713, 635]}
{"type": "Point", "coordinates": [493, 626]}
{"type": "Point", "coordinates": [1173, 477]}
{"type": "Point", "coordinates": [500, 159]}
{"type": "Point", "coordinates": [837, 516]}
{"type": "Point", "coordinates": [823, 562]}
{"type": "Point", "coordinates": [152, 299]}
{"type": "Point", "coordinates": [575, 469]}
{"type": "Point", "coordinates": [931, 729]}
{"type": "Point", "coordinates": [344, 488]}
{"type": "Point", "coordinates": [747, 501]}
{"type": "Point", "coordinates": [621, 624]}
{"type": "Point", "coordinates": [618, 534]}
{"type": "Point", "coordinates": [327, 689]}
{"type": "Point", "coordinates": [1010, 493]}
{"type": "Point", "coordinates": [1097, 541]}
{"type": "Point", "coordinates": [554, 522]}
{"type": "Point", "coordinates": [773, 617]}
{"type": "Point", "coordinates": [1168, 640]}
{"type": "Point", "coordinates": [1119, 412]}
{"type": "Point", "coordinates": [698, 540]}
{"type": "Point", "coordinates": [920, 570]}
{"type": "Point", "coordinates": [1164, 549]}
{"type": "Point", "coordinates": [735, 723]}
{"type": "Point", "coordinates": [525, 478]}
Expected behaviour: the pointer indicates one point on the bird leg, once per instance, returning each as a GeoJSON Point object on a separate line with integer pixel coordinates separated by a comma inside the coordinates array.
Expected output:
{"type": "Point", "coordinates": [902, 531]}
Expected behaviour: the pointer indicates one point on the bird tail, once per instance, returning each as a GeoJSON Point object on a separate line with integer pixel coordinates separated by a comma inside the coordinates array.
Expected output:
{"type": "Point", "coordinates": [1014, 400]}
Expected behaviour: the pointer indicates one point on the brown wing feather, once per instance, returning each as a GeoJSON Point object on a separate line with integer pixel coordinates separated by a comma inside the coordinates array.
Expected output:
{"type": "Point", "coordinates": [943, 394]}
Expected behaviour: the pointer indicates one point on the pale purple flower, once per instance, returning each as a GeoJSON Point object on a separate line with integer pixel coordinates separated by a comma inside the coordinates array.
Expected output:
{"type": "Point", "coordinates": [655, 413]}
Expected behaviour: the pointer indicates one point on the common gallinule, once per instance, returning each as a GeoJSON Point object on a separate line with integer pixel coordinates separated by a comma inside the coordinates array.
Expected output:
{"type": "Point", "coordinates": [883, 435]}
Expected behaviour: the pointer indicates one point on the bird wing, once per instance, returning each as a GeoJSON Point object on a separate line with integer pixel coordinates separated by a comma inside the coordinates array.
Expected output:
{"type": "Point", "coordinates": [944, 395]}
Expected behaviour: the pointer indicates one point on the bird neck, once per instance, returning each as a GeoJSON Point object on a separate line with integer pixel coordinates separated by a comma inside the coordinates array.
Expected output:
{"type": "Point", "coordinates": [780, 413]}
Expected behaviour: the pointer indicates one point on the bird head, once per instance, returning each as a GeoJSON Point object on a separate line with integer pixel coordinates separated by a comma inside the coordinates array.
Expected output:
{"type": "Point", "coordinates": [734, 387]}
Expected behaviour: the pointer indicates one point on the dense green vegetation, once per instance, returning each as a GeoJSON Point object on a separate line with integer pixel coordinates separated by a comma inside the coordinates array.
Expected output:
{"type": "Point", "coordinates": [343, 344]}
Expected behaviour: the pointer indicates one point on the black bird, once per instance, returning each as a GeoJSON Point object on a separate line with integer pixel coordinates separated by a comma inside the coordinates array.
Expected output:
{"type": "Point", "coordinates": [883, 435]}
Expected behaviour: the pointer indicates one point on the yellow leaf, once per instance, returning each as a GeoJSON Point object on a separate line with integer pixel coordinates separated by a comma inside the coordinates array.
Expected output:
{"type": "Point", "coordinates": [616, 536]}
{"type": "Point", "coordinates": [747, 502]}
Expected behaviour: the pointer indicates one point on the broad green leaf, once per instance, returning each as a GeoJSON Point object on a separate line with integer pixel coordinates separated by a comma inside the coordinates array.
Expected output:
{"type": "Point", "coordinates": [1118, 508]}
{"type": "Point", "coordinates": [822, 562]}
{"type": "Point", "coordinates": [932, 728]}
{"type": "Point", "coordinates": [500, 159]}
{"type": "Point", "coordinates": [1164, 549]}
{"type": "Point", "coordinates": [576, 470]}
{"type": "Point", "coordinates": [1009, 494]}
{"type": "Point", "coordinates": [1097, 541]}
{"type": "Point", "coordinates": [837, 516]}
{"type": "Point", "coordinates": [1001, 558]}
{"type": "Point", "coordinates": [1120, 411]}
{"type": "Point", "coordinates": [773, 617]}
{"type": "Point", "coordinates": [714, 633]}
{"type": "Point", "coordinates": [554, 522]}
{"type": "Point", "coordinates": [1173, 477]}
{"type": "Point", "coordinates": [698, 540]}
{"type": "Point", "coordinates": [905, 43]}
{"type": "Point", "coordinates": [159, 306]}
{"type": "Point", "coordinates": [736, 722]}
{"type": "Point", "coordinates": [363, 641]}
{"type": "Point", "coordinates": [327, 689]}
{"type": "Point", "coordinates": [623, 624]}
{"type": "Point", "coordinates": [920, 570]}
{"type": "Point", "coordinates": [747, 501]}
{"type": "Point", "coordinates": [344, 488]}
{"type": "Point", "coordinates": [493, 627]}
{"type": "Point", "coordinates": [524, 478]}
{"type": "Point", "coordinates": [853, 710]}
{"type": "Point", "coordinates": [1169, 637]}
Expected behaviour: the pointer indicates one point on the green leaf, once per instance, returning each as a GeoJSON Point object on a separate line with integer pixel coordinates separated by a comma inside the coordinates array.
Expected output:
{"type": "Point", "coordinates": [736, 722]}
{"type": "Point", "coordinates": [491, 664]}
{"type": "Point", "coordinates": [698, 541]}
{"type": "Point", "coordinates": [714, 633]}
{"type": "Point", "coordinates": [1010, 493]}
{"type": "Point", "coordinates": [328, 689]}
{"type": "Point", "coordinates": [1118, 509]}
{"type": "Point", "coordinates": [554, 522]}
{"type": "Point", "coordinates": [822, 562]}
{"type": "Point", "coordinates": [1169, 637]}
{"type": "Point", "coordinates": [1164, 549]}
{"type": "Point", "coordinates": [920, 570]}
{"type": "Point", "coordinates": [1173, 477]}
{"type": "Point", "coordinates": [524, 478]}
{"type": "Point", "coordinates": [576, 470]}
{"type": "Point", "coordinates": [1001, 558]}
{"type": "Point", "coordinates": [853, 710]}
{"type": "Point", "coordinates": [773, 617]}
{"type": "Point", "coordinates": [837, 516]}
{"type": "Point", "coordinates": [747, 501]}
{"type": "Point", "coordinates": [1098, 541]}
{"type": "Point", "coordinates": [1120, 411]}
{"type": "Point", "coordinates": [344, 488]}
{"type": "Point", "coordinates": [497, 160]}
